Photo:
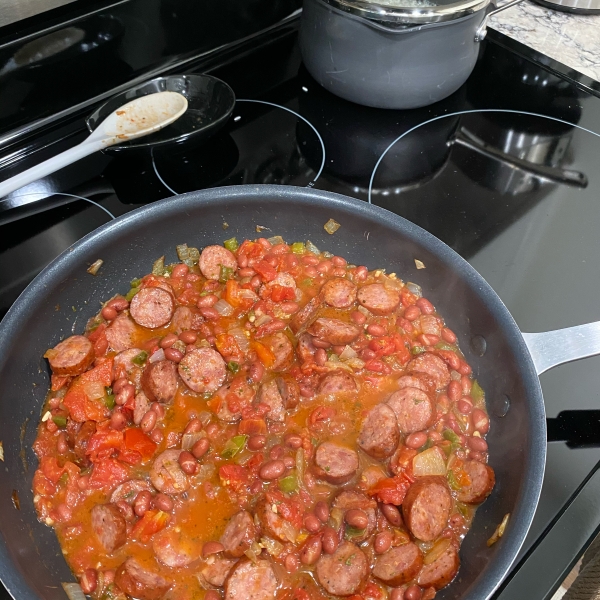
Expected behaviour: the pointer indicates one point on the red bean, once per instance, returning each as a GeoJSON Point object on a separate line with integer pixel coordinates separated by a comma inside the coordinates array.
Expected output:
{"type": "Point", "coordinates": [450, 358]}
{"type": "Point", "coordinates": [338, 261]}
{"type": "Point", "coordinates": [256, 281]}
{"type": "Point", "coordinates": [465, 405]}
{"type": "Point", "coordinates": [156, 435]}
{"type": "Point", "coordinates": [212, 431]}
{"type": "Point", "coordinates": [325, 267]}
{"type": "Point", "coordinates": [180, 270]}
{"type": "Point", "coordinates": [83, 482]}
{"type": "Point", "coordinates": [312, 523]}
{"type": "Point", "coordinates": [306, 391]}
{"type": "Point", "coordinates": [61, 443]}
{"type": "Point", "coordinates": [320, 357]}
{"type": "Point", "coordinates": [311, 272]}
{"type": "Point", "coordinates": [426, 307]}
{"type": "Point", "coordinates": [207, 301]}
{"type": "Point", "coordinates": [142, 503]}
{"type": "Point", "coordinates": [277, 452]}
{"type": "Point", "coordinates": [478, 456]}
{"type": "Point", "coordinates": [293, 441]}
{"type": "Point", "coordinates": [188, 337]}
{"type": "Point", "coordinates": [317, 343]}
{"type": "Point", "coordinates": [125, 395]}
{"type": "Point", "coordinates": [291, 261]}
{"type": "Point", "coordinates": [339, 272]}
{"type": "Point", "coordinates": [427, 339]}
{"type": "Point", "coordinates": [412, 593]}
{"type": "Point", "coordinates": [289, 461]}
{"type": "Point", "coordinates": [51, 426]}
{"type": "Point", "coordinates": [412, 313]}
{"type": "Point", "coordinates": [377, 366]}
{"type": "Point", "coordinates": [109, 313]}
{"type": "Point", "coordinates": [159, 409]}
{"type": "Point", "coordinates": [361, 273]}
{"type": "Point", "coordinates": [119, 303]}
{"type": "Point", "coordinates": [322, 511]}
{"type": "Point", "coordinates": [200, 448]}
{"type": "Point", "coordinates": [187, 462]}
{"type": "Point", "coordinates": [257, 442]}
{"type": "Point", "coordinates": [256, 372]}
{"type": "Point", "coordinates": [89, 581]}
{"type": "Point", "coordinates": [212, 548]}
{"type": "Point", "coordinates": [481, 421]}
{"type": "Point", "coordinates": [310, 260]}
{"type": "Point", "coordinates": [376, 329]}
{"type": "Point", "coordinates": [330, 540]}
{"type": "Point", "coordinates": [464, 368]}
{"type": "Point", "coordinates": [357, 518]}
{"type": "Point", "coordinates": [242, 260]}
{"type": "Point", "coordinates": [209, 313]}
{"type": "Point", "coordinates": [246, 272]}
{"type": "Point", "coordinates": [358, 317]}
{"type": "Point", "coordinates": [392, 514]}
{"type": "Point", "coordinates": [163, 502]}
{"type": "Point", "coordinates": [148, 422]}
{"type": "Point", "coordinates": [54, 402]}
{"type": "Point", "coordinates": [125, 509]}
{"type": "Point", "coordinates": [311, 550]}
{"type": "Point", "coordinates": [291, 563]}
{"type": "Point", "coordinates": [289, 308]}
{"type": "Point", "coordinates": [173, 354]}
{"type": "Point", "coordinates": [382, 542]}
{"type": "Point", "coordinates": [194, 426]}
{"type": "Point", "coordinates": [368, 354]}
{"type": "Point", "coordinates": [118, 420]}
{"type": "Point", "coordinates": [272, 260]}
{"type": "Point", "coordinates": [454, 390]}
{"type": "Point", "coordinates": [478, 444]}
{"type": "Point", "coordinates": [466, 385]}
{"type": "Point", "coordinates": [397, 594]}
{"type": "Point", "coordinates": [168, 340]}
{"type": "Point", "coordinates": [448, 335]}
{"type": "Point", "coordinates": [272, 469]}
{"type": "Point", "coordinates": [64, 513]}
{"type": "Point", "coordinates": [416, 440]}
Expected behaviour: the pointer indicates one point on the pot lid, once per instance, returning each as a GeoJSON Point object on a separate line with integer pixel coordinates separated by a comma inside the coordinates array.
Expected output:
{"type": "Point", "coordinates": [409, 12]}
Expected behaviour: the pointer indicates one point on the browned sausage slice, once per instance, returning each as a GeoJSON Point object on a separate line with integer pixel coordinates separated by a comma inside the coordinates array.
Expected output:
{"type": "Point", "coordinates": [159, 381]}
{"type": "Point", "coordinates": [213, 258]}
{"type": "Point", "coordinates": [441, 571]}
{"type": "Point", "coordinates": [173, 548]}
{"type": "Point", "coordinates": [140, 582]}
{"type": "Point", "coordinates": [109, 526]}
{"type": "Point", "coordinates": [120, 333]}
{"type": "Point", "coordinates": [414, 409]}
{"type": "Point", "coordinates": [349, 499]}
{"type": "Point", "coordinates": [431, 325]}
{"type": "Point", "coordinates": [183, 319]}
{"type": "Point", "coordinates": [203, 370]}
{"type": "Point", "coordinates": [282, 348]}
{"type": "Point", "coordinates": [123, 364]}
{"type": "Point", "coordinates": [140, 408]}
{"type": "Point", "coordinates": [422, 382]}
{"type": "Point", "coordinates": [305, 349]}
{"type": "Point", "coordinates": [482, 482]}
{"type": "Point", "coordinates": [334, 331]}
{"type": "Point", "coordinates": [128, 490]}
{"type": "Point", "coordinates": [431, 365]}
{"type": "Point", "coordinates": [336, 382]}
{"type": "Point", "coordinates": [71, 356]}
{"type": "Point", "coordinates": [379, 434]}
{"type": "Point", "coordinates": [398, 565]}
{"type": "Point", "coordinates": [305, 314]}
{"type": "Point", "coordinates": [273, 524]}
{"type": "Point", "coordinates": [166, 474]}
{"type": "Point", "coordinates": [269, 394]}
{"type": "Point", "coordinates": [222, 410]}
{"type": "Point", "coordinates": [251, 581]}
{"type": "Point", "coordinates": [378, 299]}
{"type": "Point", "coordinates": [81, 439]}
{"type": "Point", "coordinates": [239, 534]}
{"type": "Point", "coordinates": [289, 390]}
{"type": "Point", "coordinates": [217, 570]}
{"type": "Point", "coordinates": [426, 507]}
{"type": "Point", "coordinates": [339, 293]}
{"type": "Point", "coordinates": [342, 572]}
{"type": "Point", "coordinates": [336, 464]}
{"type": "Point", "coordinates": [152, 307]}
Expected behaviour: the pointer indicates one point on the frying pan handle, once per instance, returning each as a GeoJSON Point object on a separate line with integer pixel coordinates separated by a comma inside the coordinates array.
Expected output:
{"type": "Point", "coordinates": [552, 348]}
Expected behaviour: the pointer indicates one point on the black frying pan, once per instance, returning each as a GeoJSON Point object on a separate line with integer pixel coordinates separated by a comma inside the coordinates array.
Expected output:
{"type": "Point", "coordinates": [60, 300]}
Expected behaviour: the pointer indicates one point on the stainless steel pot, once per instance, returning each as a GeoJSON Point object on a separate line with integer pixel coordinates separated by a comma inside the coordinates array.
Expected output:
{"type": "Point", "coordinates": [406, 55]}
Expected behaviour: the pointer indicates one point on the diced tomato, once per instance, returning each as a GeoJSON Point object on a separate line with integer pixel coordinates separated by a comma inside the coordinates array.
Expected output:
{"type": "Point", "coordinates": [189, 297]}
{"type": "Point", "coordinates": [252, 427]}
{"type": "Point", "coordinates": [130, 457]}
{"type": "Point", "coordinates": [279, 293]}
{"type": "Point", "coordinates": [320, 414]}
{"type": "Point", "coordinates": [372, 591]}
{"type": "Point", "coordinates": [402, 352]}
{"type": "Point", "coordinates": [227, 346]}
{"type": "Point", "coordinates": [289, 509]}
{"type": "Point", "coordinates": [234, 477]}
{"type": "Point", "coordinates": [59, 381]}
{"type": "Point", "coordinates": [51, 469]}
{"type": "Point", "coordinates": [402, 460]}
{"type": "Point", "coordinates": [298, 594]}
{"type": "Point", "coordinates": [104, 443]}
{"type": "Point", "coordinates": [152, 522]}
{"type": "Point", "coordinates": [265, 270]}
{"type": "Point", "coordinates": [80, 407]}
{"type": "Point", "coordinates": [391, 490]}
{"type": "Point", "coordinates": [253, 465]}
{"type": "Point", "coordinates": [42, 485]}
{"type": "Point", "coordinates": [150, 281]}
{"type": "Point", "coordinates": [460, 475]}
{"type": "Point", "coordinates": [95, 335]}
{"type": "Point", "coordinates": [108, 472]}
{"type": "Point", "coordinates": [383, 346]}
{"type": "Point", "coordinates": [137, 440]}
{"type": "Point", "coordinates": [251, 249]}
{"type": "Point", "coordinates": [266, 357]}
{"type": "Point", "coordinates": [407, 298]}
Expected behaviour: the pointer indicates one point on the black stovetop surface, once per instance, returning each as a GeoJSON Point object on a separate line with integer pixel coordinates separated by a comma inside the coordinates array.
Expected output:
{"type": "Point", "coordinates": [535, 240]}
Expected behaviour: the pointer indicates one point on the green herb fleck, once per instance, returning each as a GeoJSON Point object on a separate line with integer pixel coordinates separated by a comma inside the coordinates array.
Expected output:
{"type": "Point", "coordinates": [233, 366]}
{"type": "Point", "coordinates": [140, 359]}
{"type": "Point", "coordinates": [60, 420]}
{"type": "Point", "coordinates": [349, 559]}
{"type": "Point", "coordinates": [234, 445]}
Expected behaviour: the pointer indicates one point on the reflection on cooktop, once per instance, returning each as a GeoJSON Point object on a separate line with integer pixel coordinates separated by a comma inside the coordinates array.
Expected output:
{"type": "Point", "coordinates": [578, 428]}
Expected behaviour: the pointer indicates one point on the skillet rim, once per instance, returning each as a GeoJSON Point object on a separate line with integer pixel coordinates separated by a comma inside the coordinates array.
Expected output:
{"type": "Point", "coordinates": [521, 518]}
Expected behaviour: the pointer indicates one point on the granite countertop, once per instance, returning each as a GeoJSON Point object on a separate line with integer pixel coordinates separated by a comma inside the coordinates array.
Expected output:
{"type": "Point", "coordinates": [570, 39]}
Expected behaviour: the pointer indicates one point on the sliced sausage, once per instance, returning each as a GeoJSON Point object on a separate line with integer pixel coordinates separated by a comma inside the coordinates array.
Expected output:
{"type": "Point", "coordinates": [335, 463]}
{"type": "Point", "coordinates": [282, 349]}
{"type": "Point", "coordinates": [123, 365]}
{"type": "Point", "coordinates": [289, 391]}
{"type": "Point", "coordinates": [421, 382]}
{"type": "Point", "coordinates": [139, 582]}
{"type": "Point", "coordinates": [166, 474]}
{"type": "Point", "coordinates": [109, 526]}
{"type": "Point", "coordinates": [441, 571]}
{"type": "Point", "coordinates": [305, 349]}
{"type": "Point", "coordinates": [431, 325]}
{"type": "Point", "coordinates": [203, 370]}
{"type": "Point", "coordinates": [379, 434]}
{"type": "Point", "coordinates": [342, 572]}
{"type": "Point", "coordinates": [426, 507]}
{"type": "Point", "coordinates": [140, 408]}
{"type": "Point", "coordinates": [378, 299]}
{"type": "Point", "coordinates": [159, 381]}
{"type": "Point", "coordinates": [482, 482]}
{"type": "Point", "coordinates": [336, 382]}
{"type": "Point", "coordinates": [183, 319]}
{"type": "Point", "coordinates": [173, 548]}
{"type": "Point", "coordinates": [273, 524]}
{"type": "Point", "coordinates": [72, 356]}
{"type": "Point", "coordinates": [398, 565]}
{"type": "Point", "coordinates": [213, 258]}
{"type": "Point", "coordinates": [269, 394]}
{"type": "Point", "coordinates": [431, 365]}
{"type": "Point", "coordinates": [82, 437]}
{"type": "Point", "coordinates": [251, 581]}
{"type": "Point", "coordinates": [239, 534]}
{"type": "Point", "coordinates": [352, 499]}
{"type": "Point", "coordinates": [223, 411]}
{"type": "Point", "coordinates": [301, 319]}
{"type": "Point", "coordinates": [334, 331]}
{"type": "Point", "coordinates": [414, 409]}
{"type": "Point", "coordinates": [152, 307]}
{"type": "Point", "coordinates": [339, 293]}
{"type": "Point", "coordinates": [120, 333]}
{"type": "Point", "coordinates": [128, 490]}
{"type": "Point", "coordinates": [216, 571]}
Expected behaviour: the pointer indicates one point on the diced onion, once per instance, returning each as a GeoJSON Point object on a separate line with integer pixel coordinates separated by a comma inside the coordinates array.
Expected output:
{"type": "Point", "coordinates": [223, 308]}
{"type": "Point", "coordinates": [300, 466]}
{"type": "Point", "coordinates": [205, 472]}
{"type": "Point", "coordinates": [273, 547]}
{"type": "Point", "coordinates": [95, 266]}
{"type": "Point", "coordinates": [429, 462]}
{"type": "Point", "coordinates": [158, 268]}
{"type": "Point", "coordinates": [419, 264]}
{"type": "Point", "coordinates": [288, 531]}
{"type": "Point", "coordinates": [310, 247]}
{"type": "Point", "coordinates": [331, 226]}
{"type": "Point", "coordinates": [336, 366]}
{"type": "Point", "coordinates": [189, 439]}
{"type": "Point", "coordinates": [263, 320]}
{"type": "Point", "coordinates": [1, 452]}
{"type": "Point", "coordinates": [73, 591]}
{"type": "Point", "coordinates": [247, 294]}
{"type": "Point", "coordinates": [437, 550]}
{"type": "Point", "coordinates": [348, 353]}
{"type": "Point", "coordinates": [415, 289]}
{"type": "Point", "coordinates": [275, 240]}
{"type": "Point", "coordinates": [204, 417]}
{"type": "Point", "coordinates": [94, 390]}
{"type": "Point", "coordinates": [253, 552]}
{"type": "Point", "coordinates": [356, 363]}
{"type": "Point", "coordinates": [158, 355]}
{"type": "Point", "coordinates": [240, 339]}
{"type": "Point", "coordinates": [499, 530]}
{"type": "Point", "coordinates": [284, 280]}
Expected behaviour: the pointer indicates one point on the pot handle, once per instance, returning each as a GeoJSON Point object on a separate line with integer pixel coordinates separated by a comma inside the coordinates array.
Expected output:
{"type": "Point", "coordinates": [482, 29]}
{"type": "Point", "coordinates": [552, 348]}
